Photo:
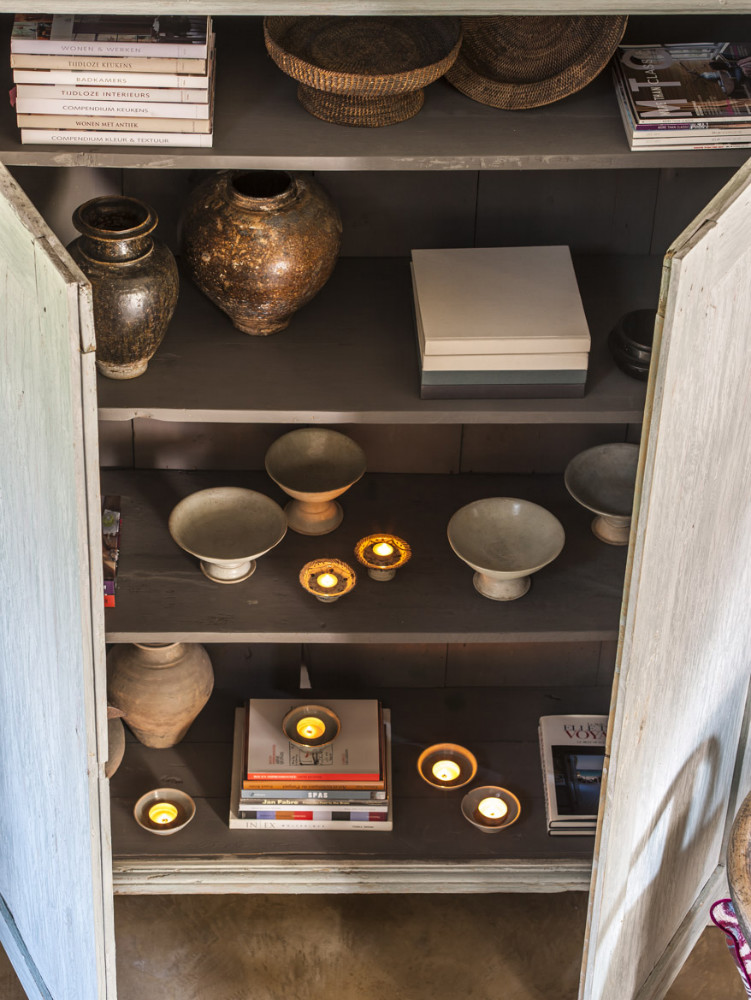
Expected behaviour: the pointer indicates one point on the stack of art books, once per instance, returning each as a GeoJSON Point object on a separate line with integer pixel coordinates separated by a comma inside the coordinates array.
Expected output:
{"type": "Point", "coordinates": [693, 96]}
{"type": "Point", "coordinates": [110, 546]}
{"type": "Point", "coordinates": [499, 322]}
{"type": "Point", "coordinates": [126, 80]}
{"type": "Point", "coordinates": [343, 786]}
{"type": "Point", "coordinates": [572, 749]}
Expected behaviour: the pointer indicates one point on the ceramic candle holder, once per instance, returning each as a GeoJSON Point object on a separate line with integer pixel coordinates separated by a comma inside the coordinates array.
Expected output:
{"type": "Point", "coordinates": [505, 540]}
{"type": "Point", "coordinates": [227, 528]}
{"type": "Point", "coordinates": [490, 808]}
{"type": "Point", "coordinates": [175, 808]}
{"type": "Point", "coordinates": [327, 579]}
{"type": "Point", "coordinates": [314, 465]}
{"type": "Point", "coordinates": [311, 727]}
{"type": "Point", "coordinates": [382, 555]}
{"type": "Point", "coordinates": [447, 765]}
{"type": "Point", "coordinates": [602, 479]}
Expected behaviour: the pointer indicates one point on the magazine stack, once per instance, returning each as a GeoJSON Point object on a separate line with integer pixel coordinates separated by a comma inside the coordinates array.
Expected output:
{"type": "Point", "coordinates": [499, 322]}
{"type": "Point", "coordinates": [345, 785]}
{"type": "Point", "coordinates": [693, 96]}
{"type": "Point", "coordinates": [126, 80]}
{"type": "Point", "coordinates": [572, 750]}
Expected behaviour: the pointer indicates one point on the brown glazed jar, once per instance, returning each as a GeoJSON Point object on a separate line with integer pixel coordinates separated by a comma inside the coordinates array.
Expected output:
{"type": "Point", "coordinates": [133, 278]}
{"type": "Point", "coordinates": [260, 244]}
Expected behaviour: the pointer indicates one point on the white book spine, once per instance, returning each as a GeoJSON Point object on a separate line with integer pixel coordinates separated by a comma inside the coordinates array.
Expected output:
{"type": "Point", "coordinates": [505, 362]}
{"type": "Point", "coordinates": [51, 136]}
{"type": "Point", "coordinates": [154, 109]}
{"type": "Point", "coordinates": [60, 47]}
{"type": "Point", "coordinates": [73, 79]}
{"type": "Point", "coordinates": [116, 124]}
{"type": "Point", "coordinates": [278, 824]}
{"type": "Point", "coordinates": [63, 92]}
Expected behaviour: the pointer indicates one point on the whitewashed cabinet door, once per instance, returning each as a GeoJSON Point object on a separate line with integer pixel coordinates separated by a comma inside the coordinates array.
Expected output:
{"type": "Point", "coordinates": [55, 859]}
{"type": "Point", "coordinates": [677, 729]}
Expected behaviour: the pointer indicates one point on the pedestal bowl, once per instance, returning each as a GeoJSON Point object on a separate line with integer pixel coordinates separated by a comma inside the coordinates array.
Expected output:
{"type": "Point", "coordinates": [227, 528]}
{"type": "Point", "coordinates": [314, 465]}
{"type": "Point", "coordinates": [505, 540]}
{"type": "Point", "coordinates": [602, 480]}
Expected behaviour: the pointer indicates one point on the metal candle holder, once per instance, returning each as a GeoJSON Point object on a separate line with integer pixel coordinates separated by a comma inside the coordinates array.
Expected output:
{"type": "Point", "coordinates": [183, 805]}
{"type": "Point", "coordinates": [491, 808]}
{"type": "Point", "coordinates": [314, 577]}
{"type": "Point", "coordinates": [447, 765]}
{"type": "Point", "coordinates": [311, 727]}
{"type": "Point", "coordinates": [382, 565]}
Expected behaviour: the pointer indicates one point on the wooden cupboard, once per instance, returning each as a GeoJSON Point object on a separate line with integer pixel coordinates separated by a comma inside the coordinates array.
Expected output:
{"type": "Point", "coordinates": [449, 664]}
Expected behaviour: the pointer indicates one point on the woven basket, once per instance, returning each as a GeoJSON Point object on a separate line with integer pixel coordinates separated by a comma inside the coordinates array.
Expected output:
{"type": "Point", "coordinates": [365, 71]}
{"type": "Point", "coordinates": [525, 62]}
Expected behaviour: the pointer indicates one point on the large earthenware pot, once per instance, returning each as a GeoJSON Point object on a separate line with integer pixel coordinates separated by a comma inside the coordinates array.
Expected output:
{"type": "Point", "coordinates": [133, 278]}
{"type": "Point", "coordinates": [260, 244]}
{"type": "Point", "coordinates": [160, 688]}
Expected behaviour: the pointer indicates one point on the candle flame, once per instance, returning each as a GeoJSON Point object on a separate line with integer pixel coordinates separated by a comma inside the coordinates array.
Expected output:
{"type": "Point", "coordinates": [383, 549]}
{"type": "Point", "coordinates": [311, 727]}
{"type": "Point", "coordinates": [446, 770]}
{"type": "Point", "coordinates": [163, 813]}
{"type": "Point", "coordinates": [327, 580]}
{"type": "Point", "coordinates": [492, 808]}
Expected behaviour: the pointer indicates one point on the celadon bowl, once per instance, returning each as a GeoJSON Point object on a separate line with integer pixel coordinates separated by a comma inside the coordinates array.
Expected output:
{"type": "Point", "coordinates": [505, 540]}
{"type": "Point", "coordinates": [602, 479]}
{"type": "Point", "coordinates": [314, 465]}
{"type": "Point", "coordinates": [228, 528]}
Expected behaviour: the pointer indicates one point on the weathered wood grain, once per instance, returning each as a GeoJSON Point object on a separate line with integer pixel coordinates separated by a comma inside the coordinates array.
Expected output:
{"type": "Point", "coordinates": [683, 667]}
{"type": "Point", "coordinates": [55, 872]}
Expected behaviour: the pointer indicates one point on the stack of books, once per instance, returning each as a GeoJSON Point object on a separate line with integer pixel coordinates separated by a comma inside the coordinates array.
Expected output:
{"type": "Point", "coordinates": [113, 79]}
{"type": "Point", "coordinates": [343, 786]}
{"type": "Point", "coordinates": [572, 749]}
{"type": "Point", "coordinates": [110, 546]}
{"type": "Point", "coordinates": [499, 322]}
{"type": "Point", "coordinates": [693, 96]}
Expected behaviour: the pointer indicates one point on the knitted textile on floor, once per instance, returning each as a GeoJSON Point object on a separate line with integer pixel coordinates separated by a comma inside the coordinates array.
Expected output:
{"type": "Point", "coordinates": [723, 914]}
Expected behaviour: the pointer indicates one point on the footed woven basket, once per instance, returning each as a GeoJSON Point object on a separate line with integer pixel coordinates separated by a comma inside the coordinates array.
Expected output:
{"type": "Point", "coordinates": [363, 71]}
{"type": "Point", "coordinates": [526, 62]}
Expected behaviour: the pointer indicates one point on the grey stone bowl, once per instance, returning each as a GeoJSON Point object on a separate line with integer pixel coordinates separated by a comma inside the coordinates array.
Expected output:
{"type": "Point", "coordinates": [314, 465]}
{"type": "Point", "coordinates": [505, 540]}
{"type": "Point", "coordinates": [602, 479]}
{"type": "Point", "coordinates": [227, 528]}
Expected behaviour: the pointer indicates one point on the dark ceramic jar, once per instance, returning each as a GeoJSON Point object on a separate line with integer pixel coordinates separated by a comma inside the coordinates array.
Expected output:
{"type": "Point", "coordinates": [133, 278]}
{"type": "Point", "coordinates": [260, 244]}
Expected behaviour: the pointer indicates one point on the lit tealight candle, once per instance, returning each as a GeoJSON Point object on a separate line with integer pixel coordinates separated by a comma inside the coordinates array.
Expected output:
{"type": "Point", "coordinates": [311, 728]}
{"type": "Point", "coordinates": [327, 580]}
{"type": "Point", "coordinates": [383, 549]}
{"type": "Point", "coordinates": [492, 808]}
{"type": "Point", "coordinates": [446, 770]}
{"type": "Point", "coordinates": [163, 813]}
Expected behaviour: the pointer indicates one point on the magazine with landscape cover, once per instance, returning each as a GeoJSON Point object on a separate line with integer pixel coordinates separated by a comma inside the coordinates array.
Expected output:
{"type": "Point", "coordinates": [572, 749]}
{"type": "Point", "coordinates": [692, 85]}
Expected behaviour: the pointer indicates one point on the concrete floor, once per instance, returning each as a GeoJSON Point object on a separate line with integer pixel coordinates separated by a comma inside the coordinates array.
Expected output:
{"type": "Point", "coordinates": [473, 947]}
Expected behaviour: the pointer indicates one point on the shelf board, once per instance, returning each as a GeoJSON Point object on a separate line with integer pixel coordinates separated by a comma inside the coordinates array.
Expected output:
{"type": "Point", "coordinates": [162, 596]}
{"type": "Point", "coordinates": [432, 848]}
{"type": "Point", "coordinates": [259, 123]}
{"type": "Point", "coordinates": [350, 356]}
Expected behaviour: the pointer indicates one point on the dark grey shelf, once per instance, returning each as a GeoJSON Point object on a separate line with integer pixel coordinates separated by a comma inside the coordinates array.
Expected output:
{"type": "Point", "coordinates": [162, 595]}
{"type": "Point", "coordinates": [258, 123]}
{"type": "Point", "coordinates": [430, 841]}
{"type": "Point", "coordinates": [350, 356]}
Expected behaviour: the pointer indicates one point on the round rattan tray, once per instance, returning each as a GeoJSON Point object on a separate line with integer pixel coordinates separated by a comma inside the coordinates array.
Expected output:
{"type": "Point", "coordinates": [526, 62]}
{"type": "Point", "coordinates": [364, 71]}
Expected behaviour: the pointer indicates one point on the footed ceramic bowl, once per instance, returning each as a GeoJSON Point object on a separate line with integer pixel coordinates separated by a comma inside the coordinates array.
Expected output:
{"type": "Point", "coordinates": [505, 540]}
{"type": "Point", "coordinates": [314, 465]}
{"type": "Point", "coordinates": [602, 480]}
{"type": "Point", "coordinates": [227, 528]}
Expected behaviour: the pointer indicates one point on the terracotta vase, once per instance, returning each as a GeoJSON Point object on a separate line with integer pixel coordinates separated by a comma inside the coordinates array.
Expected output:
{"type": "Point", "coordinates": [260, 244]}
{"type": "Point", "coordinates": [115, 740]}
{"type": "Point", "coordinates": [133, 278]}
{"type": "Point", "coordinates": [160, 688]}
